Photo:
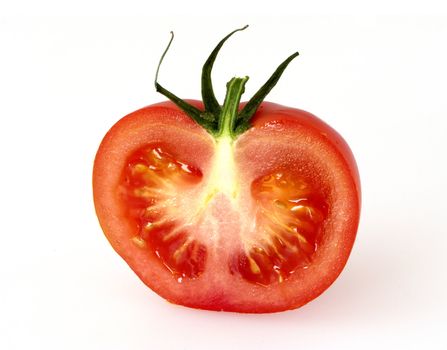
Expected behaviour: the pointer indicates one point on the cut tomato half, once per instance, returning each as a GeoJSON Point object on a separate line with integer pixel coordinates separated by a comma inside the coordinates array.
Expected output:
{"type": "Point", "coordinates": [236, 214]}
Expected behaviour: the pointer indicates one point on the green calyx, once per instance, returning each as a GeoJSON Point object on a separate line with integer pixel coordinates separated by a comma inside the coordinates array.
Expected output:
{"type": "Point", "coordinates": [228, 119]}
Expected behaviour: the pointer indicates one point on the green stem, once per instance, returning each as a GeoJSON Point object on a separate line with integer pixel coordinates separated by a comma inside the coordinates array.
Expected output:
{"type": "Point", "coordinates": [225, 121]}
{"type": "Point", "coordinates": [243, 121]}
{"type": "Point", "coordinates": [230, 108]}
{"type": "Point", "coordinates": [209, 99]}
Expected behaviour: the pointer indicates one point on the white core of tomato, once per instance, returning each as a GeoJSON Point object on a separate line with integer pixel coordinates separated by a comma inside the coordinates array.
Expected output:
{"type": "Point", "coordinates": [223, 178]}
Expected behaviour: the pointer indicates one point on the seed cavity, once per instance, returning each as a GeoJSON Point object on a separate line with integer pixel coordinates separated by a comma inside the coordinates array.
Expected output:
{"type": "Point", "coordinates": [288, 222]}
{"type": "Point", "coordinates": [154, 181]}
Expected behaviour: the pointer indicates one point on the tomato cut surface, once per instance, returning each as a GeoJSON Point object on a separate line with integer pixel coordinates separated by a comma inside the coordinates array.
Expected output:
{"type": "Point", "coordinates": [156, 192]}
{"type": "Point", "coordinates": [288, 215]}
{"type": "Point", "coordinates": [261, 224]}
{"type": "Point", "coordinates": [244, 207]}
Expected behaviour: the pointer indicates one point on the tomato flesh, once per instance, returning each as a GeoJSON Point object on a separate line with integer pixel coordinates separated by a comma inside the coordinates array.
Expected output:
{"type": "Point", "coordinates": [287, 212]}
{"type": "Point", "coordinates": [152, 181]}
{"type": "Point", "coordinates": [289, 216]}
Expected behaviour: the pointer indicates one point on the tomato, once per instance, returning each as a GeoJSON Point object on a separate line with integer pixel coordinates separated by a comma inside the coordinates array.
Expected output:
{"type": "Point", "coordinates": [245, 207]}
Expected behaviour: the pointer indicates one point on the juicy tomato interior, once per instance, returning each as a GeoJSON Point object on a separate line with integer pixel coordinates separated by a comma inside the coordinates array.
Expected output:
{"type": "Point", "coordinates": [151, 183]}
{"type": "Point", "coordinates": [288, 212]}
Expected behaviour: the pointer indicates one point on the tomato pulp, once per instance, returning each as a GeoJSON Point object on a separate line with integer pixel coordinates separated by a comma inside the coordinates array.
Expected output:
{"type": "Point", "coordinates": [239, 214]}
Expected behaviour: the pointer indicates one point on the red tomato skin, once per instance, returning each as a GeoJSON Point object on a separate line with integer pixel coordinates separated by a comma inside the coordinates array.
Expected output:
{"type": "Point", "coordinates": [272, 112]}
{"type": "Point", "coordinates": [116, 146]}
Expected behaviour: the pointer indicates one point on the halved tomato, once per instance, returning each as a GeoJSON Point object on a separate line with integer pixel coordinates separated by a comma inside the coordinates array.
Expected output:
{"type": "Point", "coordinates": [242, 207]}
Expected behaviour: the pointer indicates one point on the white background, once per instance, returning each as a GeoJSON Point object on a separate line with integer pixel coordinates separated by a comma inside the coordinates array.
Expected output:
{"type": "Point", "coordinates": [380, 80]}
